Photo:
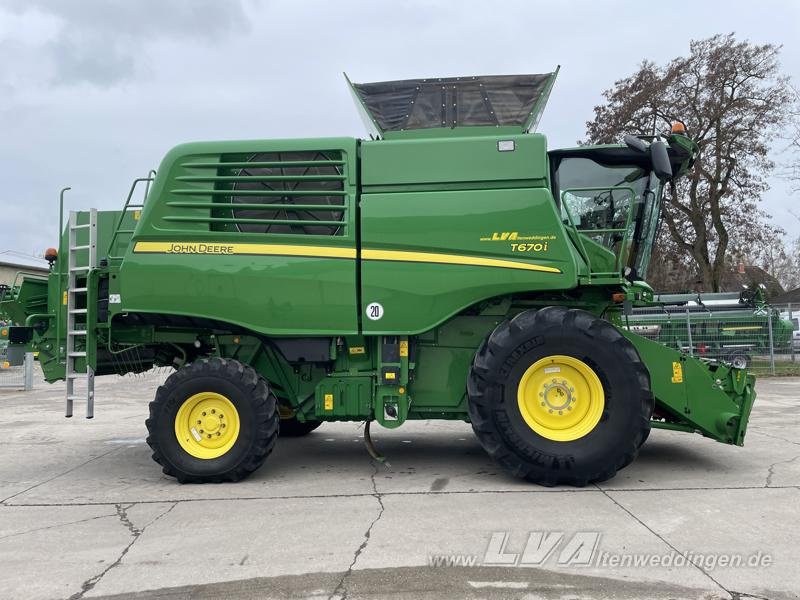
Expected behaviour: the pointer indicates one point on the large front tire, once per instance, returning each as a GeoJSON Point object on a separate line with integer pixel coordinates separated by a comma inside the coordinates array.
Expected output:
{"type": "Point", "coordinates": [214, 420]}
{"type": "Point", "coordinates": [559, 396]}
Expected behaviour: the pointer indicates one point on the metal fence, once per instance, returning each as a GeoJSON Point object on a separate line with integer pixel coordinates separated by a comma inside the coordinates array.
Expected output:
{"type": "Point", "coordinates": [765, 340]}
{"type": "Point", "coordinates": [20, 377]}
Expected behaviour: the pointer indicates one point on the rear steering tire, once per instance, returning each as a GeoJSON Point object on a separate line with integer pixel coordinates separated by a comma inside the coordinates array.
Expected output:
{"type": "Point", "coordinates": [214, 420]}
{"type": "Point", "coordinates": [559, 396]}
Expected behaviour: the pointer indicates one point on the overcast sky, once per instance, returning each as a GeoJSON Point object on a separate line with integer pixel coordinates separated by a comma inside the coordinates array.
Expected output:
{"type": "Point", "coordinates": [94, 92]}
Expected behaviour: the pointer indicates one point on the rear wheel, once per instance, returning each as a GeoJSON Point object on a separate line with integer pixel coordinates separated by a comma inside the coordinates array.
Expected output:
{"type": "Point", "coordinates": [559, 396]}
{"type": "Point", "coordinates": [214, 420]}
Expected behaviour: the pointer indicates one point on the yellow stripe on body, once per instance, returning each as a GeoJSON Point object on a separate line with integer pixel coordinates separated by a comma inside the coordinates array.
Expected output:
{"type": "Point", "coordinates": [221, 248]}
{"type": "Point", "coordinates": [238, 248]}
{"type": "Point", "coordinates": [452, 259]}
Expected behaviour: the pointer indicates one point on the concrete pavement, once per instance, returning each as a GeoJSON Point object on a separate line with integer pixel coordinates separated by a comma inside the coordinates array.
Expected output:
{"type": "Point", "coordinates": [85, 513]}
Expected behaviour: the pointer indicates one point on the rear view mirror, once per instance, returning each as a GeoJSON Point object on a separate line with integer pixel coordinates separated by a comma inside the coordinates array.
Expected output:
{"type": "Point", "coordinates": [635, 143]}
{"type": "Point", "coordinates": [660, 160]}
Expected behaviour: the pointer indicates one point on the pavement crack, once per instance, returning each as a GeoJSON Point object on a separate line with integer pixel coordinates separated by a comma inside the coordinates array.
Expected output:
{"type": "Point", "coordinates": [136, 533]}
{"type": "Point", "coordinates": [771, 469]}
{"type": "Point", "coordinates": [86, 462]}
{"type": "Point", "coordinates": [340, 591]}
{"type": "Point", "coordinates": [424, 492]}
{"type": "Point", "coordinates": [665, 541]}
{"type": "Point", "coordinates": [56, 526]}
{"type": "Point", "coordinates": [774, 437]}
{"type": "Point", "coordinates": [745, 596]}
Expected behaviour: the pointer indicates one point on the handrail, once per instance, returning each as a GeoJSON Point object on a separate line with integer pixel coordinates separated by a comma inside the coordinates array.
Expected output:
{"type": "Point", "coordinates": [151, 174]}
{"type": "Point", "coordinates": [40, 317]}
{"type": "Point", "coordinates": [125, 208]}
{"type": "Point", "coordinates": [60, 272]}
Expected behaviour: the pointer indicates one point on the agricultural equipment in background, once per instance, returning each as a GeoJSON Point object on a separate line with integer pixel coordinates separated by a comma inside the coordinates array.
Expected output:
{"type": "Point", "coordinates": [449, 268]}
{"type": "Point", "coordinates": [728, 326]}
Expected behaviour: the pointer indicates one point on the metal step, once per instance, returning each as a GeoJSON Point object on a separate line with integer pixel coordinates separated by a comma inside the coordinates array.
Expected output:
{"type": "Point", "coordinates": [76, 353]}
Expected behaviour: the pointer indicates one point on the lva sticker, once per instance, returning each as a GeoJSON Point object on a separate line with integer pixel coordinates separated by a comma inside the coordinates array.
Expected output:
{"type": "Point", "coordinates": [374, 311]}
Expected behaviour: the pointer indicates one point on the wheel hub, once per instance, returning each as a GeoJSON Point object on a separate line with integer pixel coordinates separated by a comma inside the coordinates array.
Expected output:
{"type": "Point", "coordinates": [558, 395]}
{"type": "Point", "coordinates": [207, 425]}
{"type": "Point", "coordinates": [561, 398]}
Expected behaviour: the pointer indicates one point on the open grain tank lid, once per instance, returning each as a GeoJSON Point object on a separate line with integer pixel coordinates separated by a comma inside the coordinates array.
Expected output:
{"type": "Point", "coordinates": [508, 101]}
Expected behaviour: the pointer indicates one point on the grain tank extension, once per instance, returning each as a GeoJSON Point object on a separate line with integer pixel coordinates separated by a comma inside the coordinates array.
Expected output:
{"type": "Point", "coordinates": [450, 267]}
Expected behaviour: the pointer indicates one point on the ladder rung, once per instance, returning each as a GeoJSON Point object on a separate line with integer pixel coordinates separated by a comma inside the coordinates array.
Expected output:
{"type": "Point", "coordinates": [78, 290]}
{"type": "Point", "coordinates": [84, 226]}
{"type": "Point", "coordinates": [76, 332]}
{"type": "Point", "coordinates": [77, 376]}
{"type": "Point", "coordinates": [79, 269]}
{"type": "Point", "coordinates": [78, 311]}
{"type": "Point", "coordinates": [86, 247]}
{"type": "Point", "coordinates": [76, 353]}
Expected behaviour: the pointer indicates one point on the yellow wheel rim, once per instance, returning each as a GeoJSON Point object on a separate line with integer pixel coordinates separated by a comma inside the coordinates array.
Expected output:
{"type": "Point", "coordinates": [561, 398]}
{"type": "Point", "coordinates": [207, 425]}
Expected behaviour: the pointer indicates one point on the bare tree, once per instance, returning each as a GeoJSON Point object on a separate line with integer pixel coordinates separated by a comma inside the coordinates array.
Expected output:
{"type": "Point", "coordinates": [734, 101]}
{"type": "Point", "coordinates": [793, 172]}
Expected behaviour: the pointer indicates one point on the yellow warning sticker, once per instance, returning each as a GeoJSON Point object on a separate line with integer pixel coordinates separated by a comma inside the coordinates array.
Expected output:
{"type": "Point", "coordinates": [677, 372]}
{"type": "Point", "coordinates": [403, 347]}
{"type": "Point", "coordinates": [64, 299]}
{"type": "Point", "coordinates": [137, 214]}
{"type": "Point", "coordinates": [328, 405]}
{"type": "Point", "coordinates": [357, 350]}
{"type": "Point", "coordinates": [390, 375]}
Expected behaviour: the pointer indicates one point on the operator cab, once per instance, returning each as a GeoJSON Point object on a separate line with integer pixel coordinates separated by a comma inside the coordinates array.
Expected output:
{"type": "Point", "coordinates": [609, 202]}
{"type": "Point", "coordinates": [609, 197]}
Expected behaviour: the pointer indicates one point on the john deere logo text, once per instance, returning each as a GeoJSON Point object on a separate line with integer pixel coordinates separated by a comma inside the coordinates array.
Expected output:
{"type": "Point", "coordinates": [200, 249]}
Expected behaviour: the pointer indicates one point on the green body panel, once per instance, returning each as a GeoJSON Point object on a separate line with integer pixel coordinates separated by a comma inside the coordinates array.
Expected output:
{"type": "Point", "coordinates": [475, 160]}
{"type": "Point", "coordinates": [277, 295]}
{"type": "Point", "coordinates": [418, 296]}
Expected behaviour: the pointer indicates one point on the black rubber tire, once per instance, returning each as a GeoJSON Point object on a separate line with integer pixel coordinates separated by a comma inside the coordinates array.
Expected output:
{"type": "Point", "coordinates": [291, 427]}
{"type": "Point", "coordinates": [740, 353]}
{"type": "Point", "coordinates": [498, 367]}
{"type": "Point", "coordinates": [258, 417]}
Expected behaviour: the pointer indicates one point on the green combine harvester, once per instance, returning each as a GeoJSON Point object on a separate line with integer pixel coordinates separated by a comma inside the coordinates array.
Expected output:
{"type": "Point", "coordinates": [450, 267]}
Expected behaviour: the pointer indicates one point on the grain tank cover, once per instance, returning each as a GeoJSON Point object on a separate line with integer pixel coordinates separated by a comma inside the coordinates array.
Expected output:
{"type": "Point", "coordinates": [514, 101]}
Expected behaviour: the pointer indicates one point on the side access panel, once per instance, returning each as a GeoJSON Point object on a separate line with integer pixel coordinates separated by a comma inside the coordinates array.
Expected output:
{"type": "Point", "coordinates": [448, 222]}
{"type": "Point", "coordinates": [261, 234]}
